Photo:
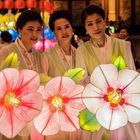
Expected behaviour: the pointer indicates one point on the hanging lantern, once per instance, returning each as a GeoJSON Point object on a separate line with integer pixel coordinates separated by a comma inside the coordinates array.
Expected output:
{"type": "Point", "coordinates": [31, 3]}
{"type": "Point", "coordinates": [19, 4]}
{"type": "Point", "coordinates": [1, 4]}
{"type": "Point", "coordinates": [44, 5]}
{"type": "Point", "coordinates": [8, 4]}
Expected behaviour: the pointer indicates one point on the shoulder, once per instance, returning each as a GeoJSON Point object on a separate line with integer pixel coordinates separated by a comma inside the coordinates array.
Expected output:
{"type": "Point", "coordinates": [84, 46]}
{"type": "Point", "coordinates": [8, 47]}
{"type": "Point", "coordinates": [116, 42]}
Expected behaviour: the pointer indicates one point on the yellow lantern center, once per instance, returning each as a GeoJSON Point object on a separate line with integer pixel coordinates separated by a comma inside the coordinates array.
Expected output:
{"type": "Point", "coordinates": [114, 97]}
{"type": "Point", "coordinates": [57, 102]}
{"type": "Point", "coordinates": [10, 99]}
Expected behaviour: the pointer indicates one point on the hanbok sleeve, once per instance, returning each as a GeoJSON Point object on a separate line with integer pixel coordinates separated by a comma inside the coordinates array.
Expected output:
{"type": "Point", "coordinates": [128, 56]}
{"type": "Point", "coordinates": [4, 52]}
{"type": "Point", "coordinates": [81, 63]}
{"type": "Point", "coordinates": [44, 63]}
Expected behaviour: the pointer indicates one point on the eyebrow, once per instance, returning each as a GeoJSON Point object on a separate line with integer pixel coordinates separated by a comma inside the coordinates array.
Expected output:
{"type": "Point", "coordinates": [62, 25]}
{"type": "Point", "coordinates": [33, 27]}
{"type": "Point", "coordinates": [89, 21]}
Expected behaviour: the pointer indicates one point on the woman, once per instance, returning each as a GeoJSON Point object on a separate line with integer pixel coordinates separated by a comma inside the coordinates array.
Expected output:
{"type": "Point", "coordinates": [100, 49]}
{"type": "Point", "coordinates": [62, 57]}
{"type": "Point", "coordinates": [29, 25]}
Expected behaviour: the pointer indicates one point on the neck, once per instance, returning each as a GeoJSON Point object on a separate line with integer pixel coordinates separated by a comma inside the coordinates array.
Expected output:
{"type": "Point", "coordinates": [66, 48]}
{"type": "Point", "coordinates": [27, 46]}
{"type": "Point", "coordinates": [100, 41]}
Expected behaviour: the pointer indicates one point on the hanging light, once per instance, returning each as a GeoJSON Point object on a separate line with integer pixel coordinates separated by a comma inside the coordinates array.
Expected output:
{"type": "Point", "coordinates": [44, 5]}
{"type": "Point", "coordinates": [31, 3]}
{"type": "Point", "coordinates": [19, 4]}
{"type": "Point", "coordinates": [1, 4]}
{"type": "Point", "coordinates": [8, 4]}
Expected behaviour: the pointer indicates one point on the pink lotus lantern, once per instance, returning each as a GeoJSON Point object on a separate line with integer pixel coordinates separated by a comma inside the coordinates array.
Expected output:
{"type": "Point", "coordinates": [61, 106]}
{"type": "Point", "coordinates": [20, 102]}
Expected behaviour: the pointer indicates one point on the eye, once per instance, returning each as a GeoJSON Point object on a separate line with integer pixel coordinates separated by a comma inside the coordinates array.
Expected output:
{"type": "Point", "coordinates": [58, 28]}
{"type": "Point", "coordinates": [29, 29]}
{"type": "Point", "coordinates": [98, 21]}
{"type": "Point", "coordinates": [67, 26]}
{"type": "Point", "coordinates": [39, 30]}
{"type": "Point", "coordinates": [89, 24]}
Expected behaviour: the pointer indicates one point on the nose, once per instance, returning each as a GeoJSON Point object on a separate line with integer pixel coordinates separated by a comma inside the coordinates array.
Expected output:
{"type": "Point", "coordinates": [95, 26]}
{"type": "Point", "coordinates": [63, 30]}
{"type": "Point", "coordinates": [35, 33]}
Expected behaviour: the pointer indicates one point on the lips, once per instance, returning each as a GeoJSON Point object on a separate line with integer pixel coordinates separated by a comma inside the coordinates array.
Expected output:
{"type": "Point", "coordinates": [34, 39]}
{"type": "Point", "coordinates": [65, 36]}
{"type": "Point", "coordinates": [97, 32]}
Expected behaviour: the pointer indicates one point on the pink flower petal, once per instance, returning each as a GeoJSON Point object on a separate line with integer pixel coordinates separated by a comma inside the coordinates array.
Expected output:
{"type": "Point", "coordinates": [59, 85]}
{"type": "Point", "coordinates": [75, 100]}
{"type": "Point", "coordinates": [104, 75]}
{"type": "Point", "coordinates": [43, 92]}
{"type": "Point", "coordinates": [69, 119]}
{"type": "Point", "coordinates": [77, 90]}
{"type": "Point", "coordinates": [11, 125]}
{"type": "Point", "coordinates": [111, 119]}
{"type": "Point", "coordinates": [30, 107]}
{"type": "Point", "coordinates": [47, 123]}
{"type": "Point", "coordinates": [10, 78]}
{"type": "Point", "coordinates": [132, 107]}
{"type": "Point", "coordinates": [92, 98]}
{"type": "Point", "coordinates": [29, 81]}
{"type": "Point", "coordinates": [3, 85]}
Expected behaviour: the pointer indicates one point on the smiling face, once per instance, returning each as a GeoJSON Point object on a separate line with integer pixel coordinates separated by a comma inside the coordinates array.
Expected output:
{"type": "Point", "coordinates": [30, 33]}
{"type": "Point", "coordinates": [63, 30]}
{"type": "Point", "coordinates": [95, 26]}
{"type": "Point", "coordinates": [123, 34]}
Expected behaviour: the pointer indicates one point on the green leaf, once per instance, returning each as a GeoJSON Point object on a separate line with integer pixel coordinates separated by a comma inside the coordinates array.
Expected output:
{"type": "Point", "coordinates": [10, 61]}
{"type": "Point", "coordinates": [119, 63]}
{"type": "Point", "coordinates": [44, 78]}
{"type": "Point", "coordinates": [76, 74]}
{"type": "Point", "coordinates": [88, 121]}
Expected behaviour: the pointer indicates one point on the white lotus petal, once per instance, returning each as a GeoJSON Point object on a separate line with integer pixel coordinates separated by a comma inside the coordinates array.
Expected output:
{"type": "Point", "coordinates": [104, 75]}
{"type": "Point", "coordinates": [133, 107]}
{"type": "Point", "coordinates": [131, 79]}
{"type": "Point", "coordinates": [111, 119]}
{"type": "Point", "coordinates": [92, 98]}
{"type": "Point", "coordinates": [133, 114]}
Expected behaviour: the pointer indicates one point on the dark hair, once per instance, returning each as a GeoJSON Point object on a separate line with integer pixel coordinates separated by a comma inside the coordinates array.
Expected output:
{"type": "Point", "coordinates": [123, 27]}
{"type": "Point", "coordinates": [26, 16]}
{"type": "Point", "coordinates": [6, 36]}
{"type": "Point", "coordinates": [92, 9]}
{"type": "Point", "coordinates": [57, 15]}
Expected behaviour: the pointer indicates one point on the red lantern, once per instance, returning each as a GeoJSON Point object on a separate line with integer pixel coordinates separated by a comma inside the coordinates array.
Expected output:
{"type": "Point", "coordinates": [31, 3]}
{"type": "Point", "coordinates": [8, 4]}
{"type": "Point", "coordinates": [46, 6]}
{"type": "Point", "coordinates": [1, 4]}
{"type": "Point", "coordinates": [19, 4]}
